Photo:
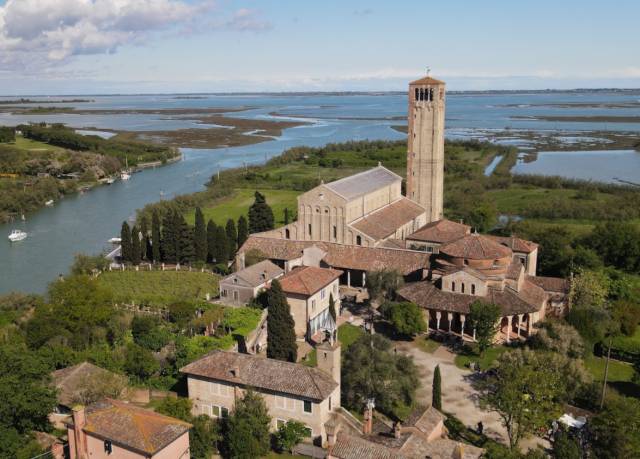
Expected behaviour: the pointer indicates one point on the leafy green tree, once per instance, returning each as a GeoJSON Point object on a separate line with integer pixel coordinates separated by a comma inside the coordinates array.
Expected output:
{"type": "Point", "coordinates": [232, 236]}
{"type": "Point", "coordinates": [26, 398]}
{"type": "Point", "coordinates": [181, 313]}
{"type": "Point", "coordinates": [557, 336]}
{"type": "Point", "coordinates": [155, 238]}
{"type": "Point", "coordinates": [203, 436]}
{"type": "Point", "coordinates": [616, 429]}
{"type": "Point", "coordinates": [247, 428]}
{"type": "Point", "coordinates": [484, 319]}
{"type": "Point", "coordinates": [526, 391]}
{"type": "Point", "coordinates": [139, 362]}
{"type": "Point", "coordinates": [125, 242]}
{"type": "Point", "coordinates": [170, 237]}
{"type": "Point", "coordinates": [145, 244]}
{"type": "Point", "coordinates": [212, 231]}
{"type": "Point", "coordinates": [148, 333]}
{"type": "Point", "coordinates": [221, 246]}
{"type": "Point", "coordinates": [383, 284]}
{"type": "Point", "coordinates": [290, 434]}
{"type": "Point", "coordinates": [436, 395]}
{"type": "Point", "coordinates": [136, 248]}
{"type": "Point", "coordinates": [618, 243]}
{"type": "Point", "coordinates": [589, 289]}
{"type": "Point", "coordinates": [371, 369]}
{"type": "Point", "coordinates": [260, 215]}
{"type": "Point", "coordinates": [86, 264]}
{"type": "Point", "coordinates": [200, 237]}
{"type": "Point", "coordinates": [406, 318]}
{"type": "Point", "coordinates": [566, 447]}
{"type": "Point", "coordinates": [243, 230]}
{"type": "Point", "coordinates": [281, 335]}
{"type": "Point", "coordinates": [332, 308]}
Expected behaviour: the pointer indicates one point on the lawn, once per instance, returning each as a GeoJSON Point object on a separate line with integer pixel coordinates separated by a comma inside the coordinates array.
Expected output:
{"type": "Point", "coordinates": [618, 371]}
{"type": "Point", "coordinates": [238, 204]}
{"type": "Point", "coordinates": [490, 355]}
{"type": "Point", "coordinates": [28, 144]}
{"type": "Point", "coordinates": [426, 344]}
{"type": "Point", "coordinates": [159, 288]}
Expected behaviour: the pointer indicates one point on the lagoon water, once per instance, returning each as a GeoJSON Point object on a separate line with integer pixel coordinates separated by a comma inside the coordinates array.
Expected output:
{"type": "Point", "coordinates": [84, 222]}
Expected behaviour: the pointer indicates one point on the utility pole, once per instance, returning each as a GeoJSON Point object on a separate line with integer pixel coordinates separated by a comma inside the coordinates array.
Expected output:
{"type": "Point", "coordinates": [606, 373]}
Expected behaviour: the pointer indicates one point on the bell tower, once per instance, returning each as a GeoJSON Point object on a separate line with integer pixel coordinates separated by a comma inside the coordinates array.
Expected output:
{"type": "Point", "coordinates": [425, 155]}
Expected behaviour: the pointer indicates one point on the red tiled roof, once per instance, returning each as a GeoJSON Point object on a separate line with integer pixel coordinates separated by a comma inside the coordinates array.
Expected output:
{"type": "Point", "coordinates": [72, 380]}
{"type": "Point", "coordinates": [352, 447]}
{"type": "Point", "coordinates": [440, 231]}
{"type": "Point", "coordinates": [342, 256]}
{"type": "Point", "coordinates": [386, 221]}
{"type": "Point", "coordinates": [134, 428]}
{"type": "Point", "coordinates": [307, 280]}
{"type": "Point", "coordinates": [426, 80]}
{"type": "Point", "coordinates": [515, 243]}
{"type": "Point", "coordinates": [476, 247]}
{"type": "Point", "coordinates": [428, 296]}
{"type": "Point", "coordinates": [270, 374]}
{"type": "Point", "coordinates": [550, 284]}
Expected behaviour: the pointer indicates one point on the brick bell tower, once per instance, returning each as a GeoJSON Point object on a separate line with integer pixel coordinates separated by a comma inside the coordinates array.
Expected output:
{"type": "Point", "coordinates": [425, 155]}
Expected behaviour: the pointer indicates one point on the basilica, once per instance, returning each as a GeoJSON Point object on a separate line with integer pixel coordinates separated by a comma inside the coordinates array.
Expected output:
{"type": "Point", "coordinates": [364, 223]}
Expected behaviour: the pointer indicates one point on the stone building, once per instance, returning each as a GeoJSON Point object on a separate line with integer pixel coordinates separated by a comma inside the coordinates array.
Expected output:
{"type": "Point", "coordinates": [308, 290]}
{"type": "Point", "coordinates": [242, 286]}
{"type": "Point", "coordinates": [113, 429]}
{"type": "Point", "coordinates": [291, 391]}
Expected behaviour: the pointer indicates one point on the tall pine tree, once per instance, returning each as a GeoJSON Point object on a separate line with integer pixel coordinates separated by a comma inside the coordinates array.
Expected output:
{"type": "Point", "coordinates": [243, 230]}
{"type": "Point", "coordinates": [136, 248]}
{"type": "Point", "coordinates": [232, 236]}
{"type": "Point", "coordinates": [200, 237]}
{"type": "Point", "coordinates": [286, 216]}
{"type": "Point", "coordinates": [332, 307]}
{"type": "Point", "coordinates": [125, 242]}
{"type": "Point", "coordinates": [281, 335]}
{"type": "Point", "coordinates": [211, 241]}
{"type": "Point", "coordinates": [171, 237]}
{"type": "Point", "coordinates": [260, 215]}
{"type": "Point", "coordinates": [186, 252]}
{"type": "Point", "coordinates": [155, 238]}
{"type": "Point", "coordinates": [221, 246]}
{"type": "Point", "coordinates": [436, 392]}
{"type": "Point", "coordinates": [144, 243]}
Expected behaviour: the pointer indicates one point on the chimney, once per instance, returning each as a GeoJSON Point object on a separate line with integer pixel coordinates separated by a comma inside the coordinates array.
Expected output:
{"type": "Point", "coordinates": [367, 427]}
{"type": "Point", "coordinates": [80, 440]}
{"type": "Point", "coordinates": [397, 429]}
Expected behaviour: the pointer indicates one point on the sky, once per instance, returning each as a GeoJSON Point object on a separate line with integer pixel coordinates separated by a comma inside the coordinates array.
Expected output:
{"type": "Point", "coordinates": [186, 46]}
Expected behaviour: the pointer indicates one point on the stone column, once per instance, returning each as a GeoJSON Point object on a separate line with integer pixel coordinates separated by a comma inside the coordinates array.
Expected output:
{"type": "Point", "coordinates": [364, 279]}
{"type": "Point", "coordinates": [519, 323]}
{"type": "Point", "coordinates": [438, 316]}
{"type": "Point", "coordinates": [474, 334]}
{"type": "Point", "coordinates": [449, 318]}
{"type": "Point", "coordinates": [348, 278]}
{"type": "Point", "coordinates": [462, 321]}
{"type": "Point", "coordinates": [509, 318]}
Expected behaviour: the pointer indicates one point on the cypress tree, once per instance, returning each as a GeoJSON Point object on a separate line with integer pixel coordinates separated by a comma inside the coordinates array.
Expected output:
{"type": "Point", "coordinates": [332, 307]}
{"type": "Point", "coordinates": [211, 241]}
{"type": "Point", "coordinates": [243, 230]}
{"type": "Point", "coordinates": [186, 252]}
{"type": "Point", "coordinates": [260, 215]}
{"type": "Point", "coordinates": [144, 244]}
{"type": "Point", "coordinates": [125, 242]}
{"type": "Point", "coordinates": [286, 216]}
{"type": "Point", "coordinates": [436, 398]}
{"type": "Point", "coordinates": [136, 248]}
{"type": "Point", "coordinates": [155, 237]}
{"type": "Point", "coordinates": [232, 236]}
{"type": "Point", "coordinates": [200, 237]}
{"type": "Point", "coordinates": [281, 335]}
{"type": "Point", "coordinates": [221, 246]}
{"type": "Point", "coordinates": [170, 238]}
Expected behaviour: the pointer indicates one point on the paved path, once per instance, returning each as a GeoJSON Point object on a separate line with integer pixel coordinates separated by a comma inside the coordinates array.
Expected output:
{"type": "Point", "coordinates": [458, 396]}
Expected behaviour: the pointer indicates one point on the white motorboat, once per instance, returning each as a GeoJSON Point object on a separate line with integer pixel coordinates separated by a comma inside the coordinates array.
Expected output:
{"type": "Point", "coordinates": [115, 240]}
{"type": "Point", "coordinates": [49, 203]}
{"type": "Point", "coordinates": [125, 175]}
{"type": "Point", "coordinates": [17, 235]}
{"type": "Point", "coordinates": [110, 181]}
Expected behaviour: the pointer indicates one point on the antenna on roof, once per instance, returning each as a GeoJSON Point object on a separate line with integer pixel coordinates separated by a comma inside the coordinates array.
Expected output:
{"type": "Point", "coordinates": [428, 71]}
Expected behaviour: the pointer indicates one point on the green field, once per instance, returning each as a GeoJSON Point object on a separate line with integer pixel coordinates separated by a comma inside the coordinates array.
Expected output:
{"type": "Point", "coordinates": [240, 202]}
{"type": "Point", "coordinates": [159, 288]}
{"type": "Point", "coordinates": [31, 145]}
{"type": "Point", "coordinates": [426, 344]}
{"type": "Point", "coordinates": [618, 371]}
{"type": "Point", "coordinates": [490, 355]}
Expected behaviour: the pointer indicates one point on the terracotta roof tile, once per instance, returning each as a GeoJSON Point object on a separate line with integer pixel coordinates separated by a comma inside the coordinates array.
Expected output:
{"type": "Point", "coordinates": [476, 247]}
{"type": "Point", "coordinates": [307, 280]}
{"type": "Point", "coordinates": [259, 273]}
{"type": "Point", "coordinates": [342, 256]}
{"type": "Point", "coordinates": [550, 284]}
{"type": "Point", "coordinates": [135, 428]}
{"type": "Point", "coordinates": [352, 447]}
{"type": "Point", "coordinates": [261, 373]}
{"type": "Point", "coordinates": [426, 80]}
{"type": "Point", "coordinates": [515, 243]}
{"type": "Point", "coordinates": [71, 380]}
{"type": "Point", "coordinates": [427, 295]}
{"type": "Point", "coordinates": [441, 231]}
{"type": "Point", "coordinates": [386, 221]}
{"type": "Point", "coordinates": [364, 182]}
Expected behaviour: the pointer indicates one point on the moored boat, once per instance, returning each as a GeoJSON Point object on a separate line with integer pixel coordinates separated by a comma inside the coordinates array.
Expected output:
{"type": "Point", "coordinates": [17, 235]}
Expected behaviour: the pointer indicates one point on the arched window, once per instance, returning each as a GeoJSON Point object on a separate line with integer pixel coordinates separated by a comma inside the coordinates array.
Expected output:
{"type": "Point", "coordinates": [417, 94]}
{"type": "Point", "coordinates": [359, 240]}
{"type": "Point", "coordinates": [462, 288]}
{"type": "Point", "coordinates": [287, 233]}
{"type": "Point", "coordinates": [473, 289]}
{"type": "Point", "coordinates": [431, 94]}
{"type": "Point", "coordinates": [309, 229]}
{"type": "Point", "coordinates": [453, 286]}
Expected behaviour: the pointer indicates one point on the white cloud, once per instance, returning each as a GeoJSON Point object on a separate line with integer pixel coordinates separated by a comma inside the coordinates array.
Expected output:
{"type": "Point", "coordinates": [35, 33]}
{"type": "Point", "coordinates": [248, 20]}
